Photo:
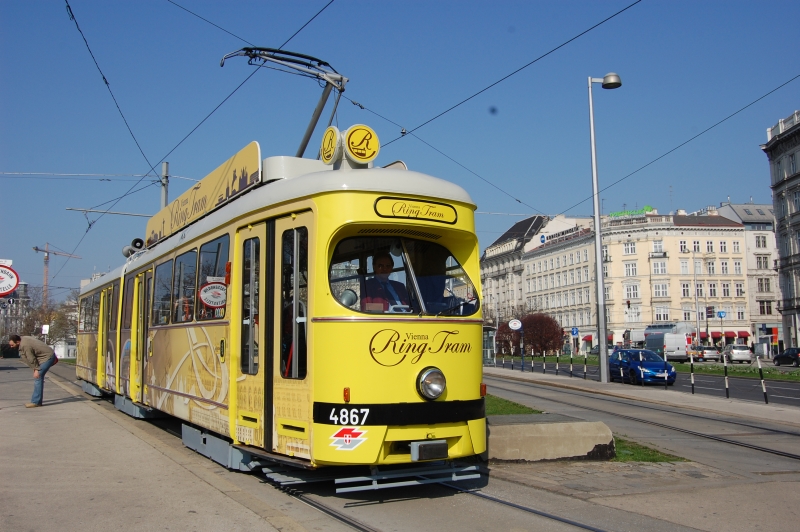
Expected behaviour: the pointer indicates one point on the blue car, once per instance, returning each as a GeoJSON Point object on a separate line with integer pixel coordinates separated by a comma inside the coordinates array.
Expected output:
{"type": "Point", "coordinates": [637, 365]}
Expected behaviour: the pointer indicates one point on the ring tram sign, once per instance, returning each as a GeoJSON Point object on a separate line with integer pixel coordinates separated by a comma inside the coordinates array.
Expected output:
{"type": "Point", "coordinates": [9, 280]}
{"type": "Point", "coordinates": [515, 325]}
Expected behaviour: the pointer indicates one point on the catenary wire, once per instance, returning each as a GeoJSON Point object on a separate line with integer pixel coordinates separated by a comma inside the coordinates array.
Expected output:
{"type": "Point", "coordinates": [520, 69]}
{"type": "Point", "coordinates": [209, 22]}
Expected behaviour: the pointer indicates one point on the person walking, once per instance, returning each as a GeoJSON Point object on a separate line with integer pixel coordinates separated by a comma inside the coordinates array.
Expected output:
{"type": "Point", "coordinates": [40, 357]}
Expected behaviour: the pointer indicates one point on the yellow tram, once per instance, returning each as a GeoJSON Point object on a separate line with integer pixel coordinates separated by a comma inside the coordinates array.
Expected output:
{"type": "Point", "coordinates": [300, 311]}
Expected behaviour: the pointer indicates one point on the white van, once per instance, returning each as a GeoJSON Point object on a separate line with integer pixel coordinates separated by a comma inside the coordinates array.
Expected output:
{"type": "Point", "coordinates": [668, 345]}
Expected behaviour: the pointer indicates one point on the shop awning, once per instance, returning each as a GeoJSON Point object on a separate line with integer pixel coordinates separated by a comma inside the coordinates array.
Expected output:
{"type": "Point", "coordinates": [703, 335]}
{"type": "Point", "coordinates": [587, 338]}
{"type": "Point", "coordinates": [716, 334]}
{"type": "Point", "coordinates": [730, 334]}
{"type": "Point", "coordinates": [611, 337]}
{"type": "Point", "coordinates": [744, 334]}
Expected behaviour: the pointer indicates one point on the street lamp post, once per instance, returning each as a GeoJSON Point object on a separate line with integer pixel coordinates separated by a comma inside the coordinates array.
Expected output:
{"type": "Point", "coordinates": [610, 81]}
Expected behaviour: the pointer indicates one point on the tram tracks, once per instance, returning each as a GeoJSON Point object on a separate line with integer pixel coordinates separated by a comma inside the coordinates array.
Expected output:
{"type": "Point", "coordinates": [664, 425]}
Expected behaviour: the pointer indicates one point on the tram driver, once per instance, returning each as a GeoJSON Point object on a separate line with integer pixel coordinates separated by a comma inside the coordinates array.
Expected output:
{"type": "Point", "coordinates": [381, 294]}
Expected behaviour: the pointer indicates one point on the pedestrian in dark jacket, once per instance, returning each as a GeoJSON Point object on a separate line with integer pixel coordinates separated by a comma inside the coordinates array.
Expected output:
{"type": "Point", "coordinates": [40, 357]}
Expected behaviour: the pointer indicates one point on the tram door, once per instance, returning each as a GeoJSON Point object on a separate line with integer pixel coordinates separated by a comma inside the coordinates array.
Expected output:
{"type": "Point", "coordinates": [251, 398]}
{"type": "Point", "coordinates": [102, 339]}
{"type": "Point", "coordinates": [140, 341]}
{"type": "Point", "coordinates": [291, 388]}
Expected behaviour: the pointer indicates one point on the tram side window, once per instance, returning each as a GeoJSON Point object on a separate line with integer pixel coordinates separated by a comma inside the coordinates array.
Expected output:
{"type": "Point", "coordinates": [127, 304]}
{"type": "Point", "coordinates": [294, 302]}
{"type": "Point", "coordinates": [183, 287]}
{"type": "Point", "coordinates": [95, 313]}
{"type": "Point", "coordinates": [84, 314]}
{"type": "Point", "coordinates": [114, 314]}
{"type": "Point", "coordinates": [250, 269]}
{"type": "Point", "coordinates": [213, 261]}
{"type": "Point", "coordinates": [161, 294]}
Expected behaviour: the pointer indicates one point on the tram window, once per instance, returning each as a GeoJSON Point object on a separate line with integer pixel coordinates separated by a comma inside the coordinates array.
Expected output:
{"type": "Point", "coordinates": [294, 302]}
{"type": "Point", "coordinates": [183, 287]}
{"type": "Point", "coordinates": [381, 275]}
{"type": "Point", "coordinates": [213, 259]}
{"type": "Point", "coordinates": [127, 303]}
{"type": "Point", "coordinates": [161, 294]}
{"type": "Point", "coordinates": [250, 269]}
{"type": "Point", "coordinates": [83, 316]}
{"type": "Point", "coordinates": [95, 312]}
{"type": "Point", "coordinates": [114, 307]}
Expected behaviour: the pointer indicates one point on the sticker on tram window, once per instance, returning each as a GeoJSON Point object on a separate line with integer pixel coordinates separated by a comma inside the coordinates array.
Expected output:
{"type": "Point", "coordinates": [214, 295]}
{"type": "Point", "coordinates": [349, 417]}
{"type": "Point", "coordinates": [348, 438]}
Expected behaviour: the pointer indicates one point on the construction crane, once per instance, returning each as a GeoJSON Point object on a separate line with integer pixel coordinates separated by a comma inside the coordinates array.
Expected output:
{"type": "Point", "coordinates": [47, 251]}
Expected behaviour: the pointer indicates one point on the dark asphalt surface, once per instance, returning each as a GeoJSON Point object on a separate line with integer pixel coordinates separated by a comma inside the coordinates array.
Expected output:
{"type": "Point", "coordinates": [778, 392]}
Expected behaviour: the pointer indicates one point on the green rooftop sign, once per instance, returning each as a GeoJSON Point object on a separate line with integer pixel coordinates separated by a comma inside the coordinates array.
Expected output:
{"type": "Point", "coordinates": [619, 214]}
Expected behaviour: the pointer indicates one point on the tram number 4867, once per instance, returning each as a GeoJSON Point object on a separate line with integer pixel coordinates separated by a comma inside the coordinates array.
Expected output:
{"type": "Point", "coordinates": [349, 417]}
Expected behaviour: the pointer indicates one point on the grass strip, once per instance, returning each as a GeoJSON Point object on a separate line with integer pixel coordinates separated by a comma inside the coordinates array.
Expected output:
{"type": "Point", "coordinates": [497, 406]}
{"type": "Point", "coordinates": [747, 372]}
{"type": "Point", "coordinates": [68, 361]}
{"type": "Point", "coordinates": [629, 451]}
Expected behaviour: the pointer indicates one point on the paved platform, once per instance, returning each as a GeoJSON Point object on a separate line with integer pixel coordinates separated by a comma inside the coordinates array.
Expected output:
{"type": "Point", "coordinates": [784, 414]}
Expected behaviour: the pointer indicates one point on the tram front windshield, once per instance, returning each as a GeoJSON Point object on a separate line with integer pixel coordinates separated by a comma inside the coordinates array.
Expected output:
{"type": "Point", "coordinates": [383, 275]}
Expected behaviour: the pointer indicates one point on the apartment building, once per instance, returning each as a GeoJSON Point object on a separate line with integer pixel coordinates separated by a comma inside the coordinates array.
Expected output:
{"type": "Point", "coordinates": [783, 151]}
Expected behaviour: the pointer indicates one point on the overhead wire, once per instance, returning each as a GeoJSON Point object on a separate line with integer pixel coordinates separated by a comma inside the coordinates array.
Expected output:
{"type": "Point", "coordinates": [130, 191]}
{"type": "Point", "coordinates": [520, 69]}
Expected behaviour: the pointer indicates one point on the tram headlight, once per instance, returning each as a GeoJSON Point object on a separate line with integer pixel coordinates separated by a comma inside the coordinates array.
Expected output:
{"type": "Point", "coordinates": [431, 383]}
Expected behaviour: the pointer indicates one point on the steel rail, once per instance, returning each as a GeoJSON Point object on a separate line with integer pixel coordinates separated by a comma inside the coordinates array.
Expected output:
{"type": "Point", "coordinates": [669, 427]}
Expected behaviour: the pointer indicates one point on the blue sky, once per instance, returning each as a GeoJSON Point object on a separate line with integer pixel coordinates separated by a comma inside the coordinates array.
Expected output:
{"type": "Point", "coordinates": [685, 65]}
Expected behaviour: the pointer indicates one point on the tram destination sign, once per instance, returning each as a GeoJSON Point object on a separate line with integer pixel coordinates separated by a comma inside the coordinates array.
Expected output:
{"type": "Point", "coordinates": [239, 173]}
{"type": "Point", "coordinates": [391, 207]}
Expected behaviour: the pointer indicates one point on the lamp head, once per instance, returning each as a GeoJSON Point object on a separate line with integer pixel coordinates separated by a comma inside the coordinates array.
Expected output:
{"type": "Point", "coordinates": [611, 81]}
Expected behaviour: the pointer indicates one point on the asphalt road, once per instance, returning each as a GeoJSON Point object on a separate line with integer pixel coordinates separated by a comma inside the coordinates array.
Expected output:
{"type": "Point", "coordinates": [778, 392]}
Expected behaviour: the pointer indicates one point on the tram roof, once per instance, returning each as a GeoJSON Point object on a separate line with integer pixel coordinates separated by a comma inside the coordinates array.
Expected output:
{"type": "Point", "coordinates": [382, 180]}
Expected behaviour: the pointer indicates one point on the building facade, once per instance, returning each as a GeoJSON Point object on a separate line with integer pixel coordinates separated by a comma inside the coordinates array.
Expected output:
{"type": "Point", "coordinates": [501, 270]}
{"type": "Point", "coordinates": [783, 151]}
{"type": "Point", "coordinates": [761, 256]}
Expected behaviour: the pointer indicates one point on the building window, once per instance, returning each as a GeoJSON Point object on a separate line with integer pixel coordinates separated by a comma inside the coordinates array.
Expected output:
{"type": "Point", "coordinates": [687, 314]}
{"type": "Point", "coordinates": [698, 289]}
{"type": "Point", "coordinates": [686, 290]}
{"type": "Point", "coordinates": [792, 165]}
{"type": "Point", "coordinates": [572, 277]}
{"type": "Point", "coordinates": [586, 274]}
{"type": "Point", "coordinates": [765, 308]}
{"type": "Point", "coordinates": [712, 289]}
{"type": "Point", "coordinates": [629, 248]}
{"type": "Point", "coordinates": [570, 259]}
{"type": "Point", "coordinates": [726, 289]}
{"type": "Point", "coordinates": [580, 297]}
{"type": "Point", "coordinates": [632, 291]}
{"type": "Point", "coordinates": [762, 262]}
{"type": "Point", "coordinates": [661, 290]}
{"type": "Point", "coordinates": [684, 248]}
{"type": "Point", "coordinates": [630, 269]}
{"type": "Point", "coordinates": [684, 267]}
{"type": "Point", "coordinates": [761, 240]}
{"type": "Point", "coordinates": [737, 267]}
{"type": "Point", "coordinates": [723, 246]}
{"type": "Point", "coordinates": [739, 313]}
{"type": "Point", "coordinates": [605, 271]}
{"type": "Point", "coordinates": [606, 293]}
{"type": "Point", "coordinates": [709, 246]}
{"type": "Point", "coordinates": [660, 267]}
{"type": "Point", "coordinates": [763, 284]}
{"type": "Point", "coordinates": [739, 289]}
{"type": "Point", "coordinates": [696, 246]}
{"type": "Point", "coordinates": [736, 246]}
{"type": "Point", "coordinates": [633, 314]}
{"type": "Point", "coordinates": [585, 255]}
{"type": "Point", "coordinates": [658, 246]}
{"type": "Point", "coordinates": [723, 266]}
{"type": "Point", "coordinates": [662, 314]}
{"type": "Point", "coordinates": [698, 265]}
{"type": "Point", "coordinates": [711, 267]}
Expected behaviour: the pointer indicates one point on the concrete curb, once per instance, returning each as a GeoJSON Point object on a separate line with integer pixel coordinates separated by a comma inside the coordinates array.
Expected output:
{"type": "Point", "coordinates": [499, 373]}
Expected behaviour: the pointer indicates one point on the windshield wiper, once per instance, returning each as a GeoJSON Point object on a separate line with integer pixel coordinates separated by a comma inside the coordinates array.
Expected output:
{"type": "Point", "coordinates": [457, 306]}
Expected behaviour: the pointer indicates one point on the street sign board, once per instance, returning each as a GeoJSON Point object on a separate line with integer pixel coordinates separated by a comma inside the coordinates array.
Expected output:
{"type": "Point", "coordinates": [574, 331]}
{"type": "Point", "coordinates": [515, 325]}
{"type": "Point", "coordinates": [721, 314]}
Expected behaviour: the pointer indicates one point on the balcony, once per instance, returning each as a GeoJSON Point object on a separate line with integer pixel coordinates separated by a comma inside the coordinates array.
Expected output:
{"type": "Point", "coordinates": [606, 258]}
{"type": "Point", "coordinates": [658, 255]}
{"type": "Point", "coordinates": [783, 125]}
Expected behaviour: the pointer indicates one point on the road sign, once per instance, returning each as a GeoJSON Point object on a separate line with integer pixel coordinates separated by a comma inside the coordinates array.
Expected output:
{"type": "Point", "coordinates": [515, 325]}
{"type": "Point", "coordinates": [542, 239]}
{"type": "Point", "coordinates": [721, 314]}
{"type": "Point", "coordinates": [574, 331]}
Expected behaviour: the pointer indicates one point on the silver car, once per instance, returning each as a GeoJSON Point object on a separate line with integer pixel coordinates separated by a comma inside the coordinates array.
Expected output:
{"type": "Point", "coordinates": [737, 353]}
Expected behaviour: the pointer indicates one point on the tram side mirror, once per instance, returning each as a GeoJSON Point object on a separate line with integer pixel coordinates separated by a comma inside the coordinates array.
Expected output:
{"type": "Point", "coordinates": [348, 298]}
